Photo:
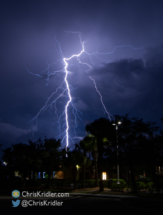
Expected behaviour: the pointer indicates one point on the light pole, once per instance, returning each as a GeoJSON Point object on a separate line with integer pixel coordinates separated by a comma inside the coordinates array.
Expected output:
{"type": "Point", "coordinates": [116, 124]}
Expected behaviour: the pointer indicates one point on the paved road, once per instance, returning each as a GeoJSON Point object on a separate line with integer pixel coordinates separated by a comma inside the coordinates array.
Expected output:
{"type": "Point", "coordinates": [90, 205]}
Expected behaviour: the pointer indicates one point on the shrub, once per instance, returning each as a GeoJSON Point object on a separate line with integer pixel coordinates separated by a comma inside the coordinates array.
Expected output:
{"type": "Point", "coordinates": [140, 185]}
{"type": "Point", "coordinates": [150, 186]}
{"type": "Point", "coordinates": [90, 183]}
{"type": "Point", "coordinates": [105, 182]}
{"type": "Point", "coordinates": [118, 187]}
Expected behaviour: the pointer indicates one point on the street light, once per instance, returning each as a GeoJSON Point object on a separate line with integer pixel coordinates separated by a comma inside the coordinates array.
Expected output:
{"type": "Point", "coordinates": [116, 124]}
{"type": "Point", "coordinates": [5, 163]}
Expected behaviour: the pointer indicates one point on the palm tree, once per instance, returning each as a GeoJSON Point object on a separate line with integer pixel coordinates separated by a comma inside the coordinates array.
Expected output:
{"type": "Point", "coordinates": [85, 147]}
{"type": "Point", "coordinates": [100, 129]}
{"type": "Point", "coordinates": [91, 145]}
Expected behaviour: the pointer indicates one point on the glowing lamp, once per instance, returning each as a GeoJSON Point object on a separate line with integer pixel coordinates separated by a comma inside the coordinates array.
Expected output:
{"type": "Point", "coordinates": [5, 163]}
{"type": "Point", "coordinates": [104, 176]}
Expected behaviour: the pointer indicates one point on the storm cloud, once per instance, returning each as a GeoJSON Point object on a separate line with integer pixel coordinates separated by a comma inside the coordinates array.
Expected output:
{"type": "Point", "coordinates": [129, 77]}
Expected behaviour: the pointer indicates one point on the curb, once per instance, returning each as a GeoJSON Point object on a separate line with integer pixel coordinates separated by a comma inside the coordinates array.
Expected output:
{"type": "Point", "coordinates": [100, 195]}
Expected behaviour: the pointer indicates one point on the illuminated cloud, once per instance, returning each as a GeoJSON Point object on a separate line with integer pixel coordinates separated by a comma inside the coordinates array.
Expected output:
{"type": "Point", "coordinates": [12, 131]}
{"type": "Point", "coordinates": [81, 105]}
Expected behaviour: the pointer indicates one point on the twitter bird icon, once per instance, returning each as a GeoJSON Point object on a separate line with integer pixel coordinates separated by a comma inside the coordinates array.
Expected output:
{"type": "Point", "coordinates": [15, 203]}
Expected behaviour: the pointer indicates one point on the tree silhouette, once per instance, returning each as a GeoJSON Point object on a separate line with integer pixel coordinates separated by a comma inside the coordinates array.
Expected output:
{"type": "Point", "coordinates": [35, 156]}
{"type": "Point", "coordinates": [85, 146]}
{"type": "Point", "coordinates": [74, 158]}
{"type": "Point", "coordinates": [136, 143]}
{"type": "Point", "coordinates": [50, 154]}
{"type": "Point", "coordinates": [101, 128]}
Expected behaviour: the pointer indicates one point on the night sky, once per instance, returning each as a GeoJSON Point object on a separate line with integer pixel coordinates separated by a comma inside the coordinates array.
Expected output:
{"type": "Point", "coordinates": [129, 77]}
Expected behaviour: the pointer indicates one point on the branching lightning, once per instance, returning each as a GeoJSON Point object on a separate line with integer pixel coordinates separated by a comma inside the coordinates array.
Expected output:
{"type": "Point", "coordinates": [108, 114]}
{"type": "Point", "coordinates": [66, 88]}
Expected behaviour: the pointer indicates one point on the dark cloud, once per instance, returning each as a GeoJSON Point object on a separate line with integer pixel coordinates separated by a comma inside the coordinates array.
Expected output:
{"type": "Point", "coordinates": [134, 86]}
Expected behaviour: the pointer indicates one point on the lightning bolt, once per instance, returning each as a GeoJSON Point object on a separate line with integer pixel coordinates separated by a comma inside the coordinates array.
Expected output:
{"type": "Point", "coordinates": [109, 115]}
{"type": "Point", "coordinates": [66, 90]}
